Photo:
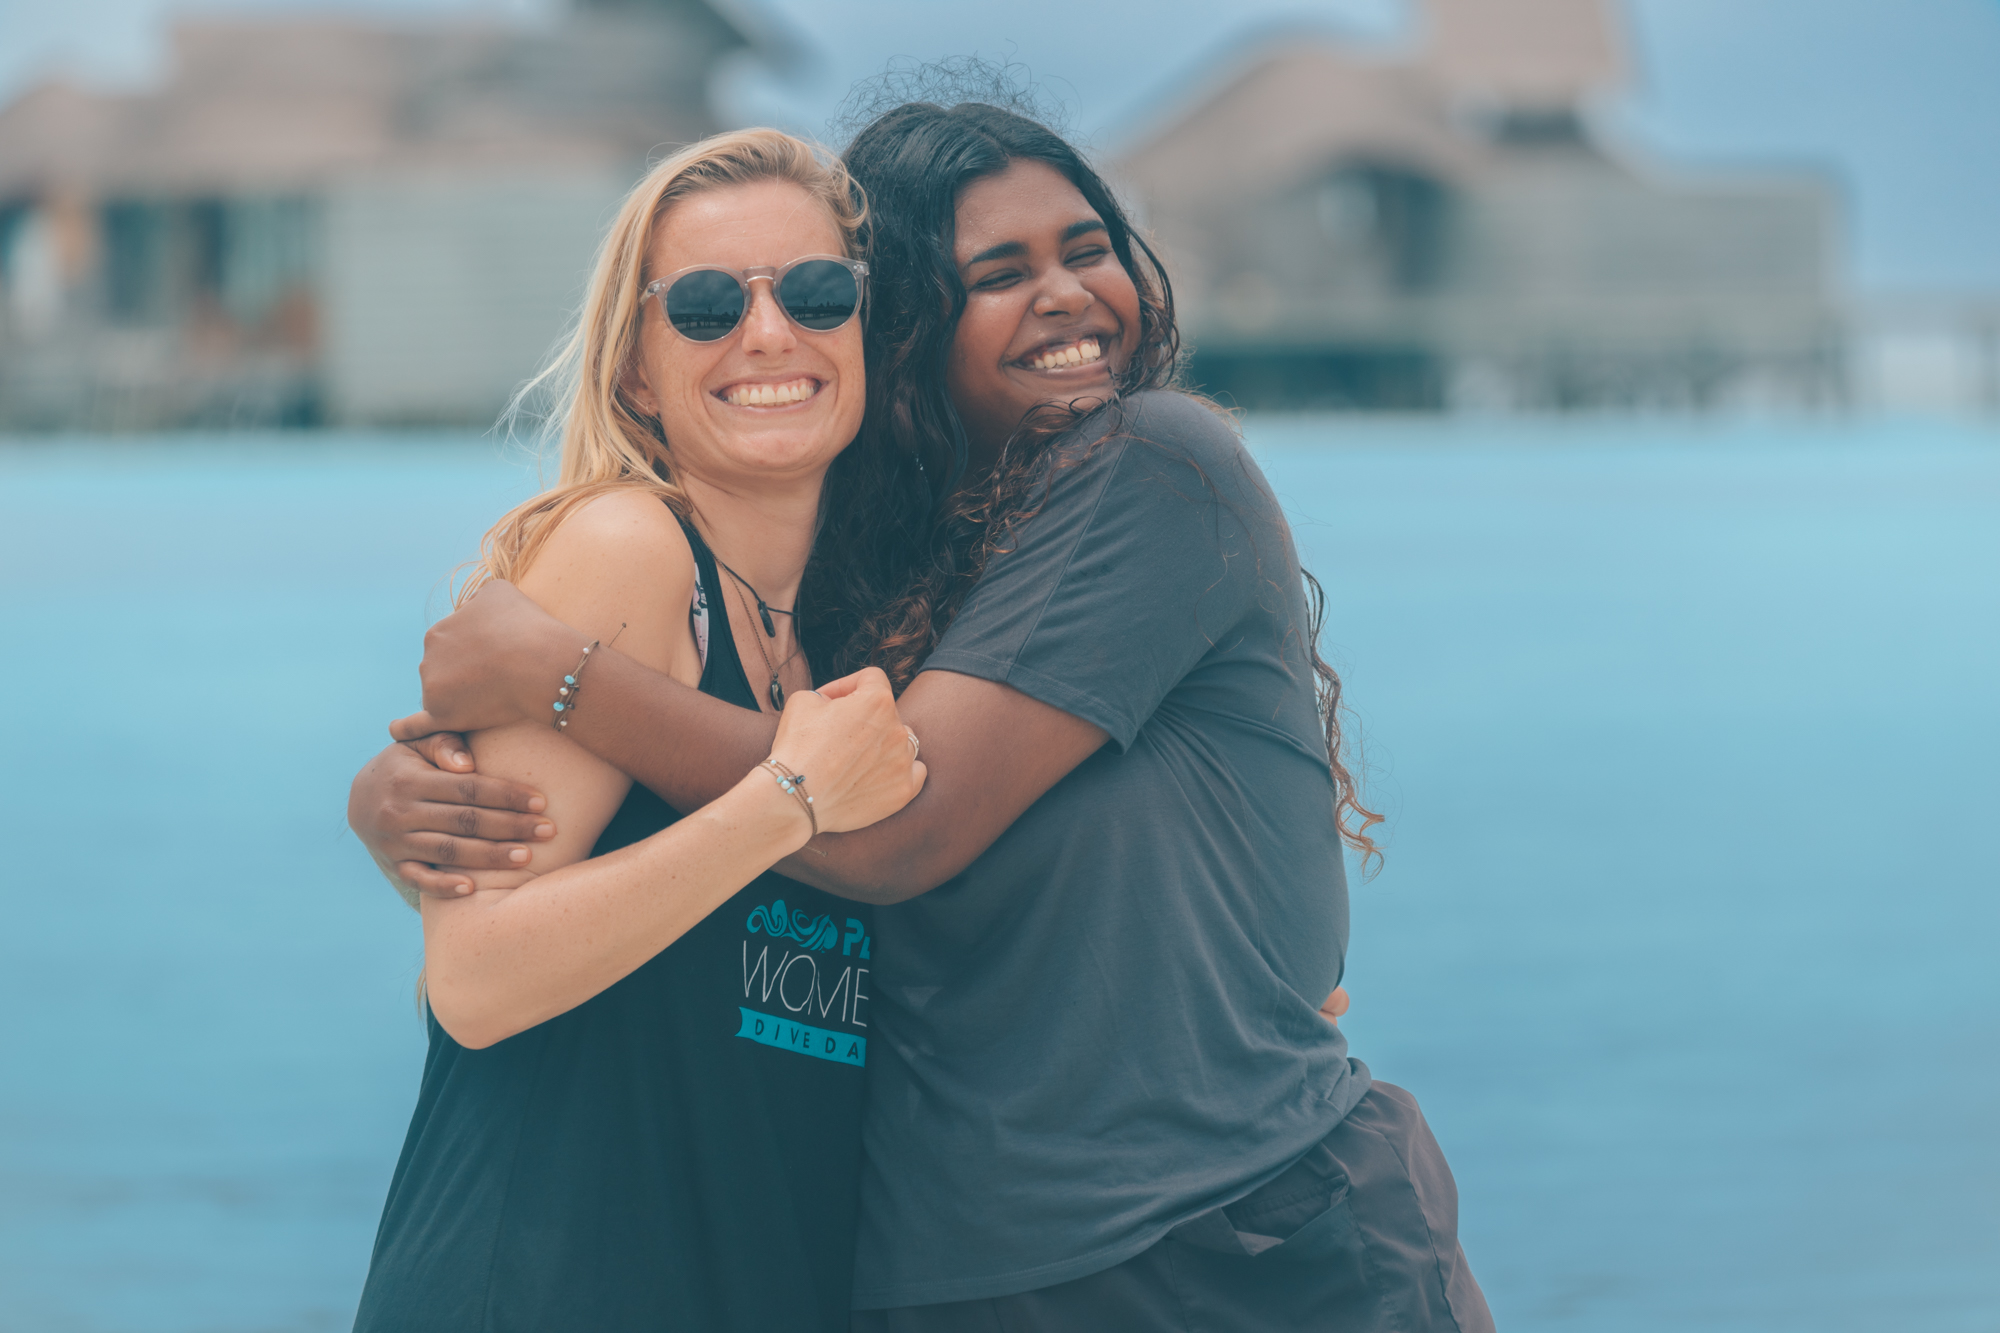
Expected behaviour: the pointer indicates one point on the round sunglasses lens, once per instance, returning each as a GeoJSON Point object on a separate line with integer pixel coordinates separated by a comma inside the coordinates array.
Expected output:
{"type": "Point", "coordinates": [820, 294]}
{"type": "Point", "coordinates": [704, 305]}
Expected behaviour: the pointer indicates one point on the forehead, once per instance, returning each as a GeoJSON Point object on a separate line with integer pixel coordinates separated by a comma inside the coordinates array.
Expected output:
{"type": "Point", "coordinates": [1029, 202]}
{"type": "Point", "coordinates": [743, 226]}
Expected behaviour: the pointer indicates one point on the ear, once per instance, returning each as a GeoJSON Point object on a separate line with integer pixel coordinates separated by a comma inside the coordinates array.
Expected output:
{"type": "Point", "coordinates": [634, 389]}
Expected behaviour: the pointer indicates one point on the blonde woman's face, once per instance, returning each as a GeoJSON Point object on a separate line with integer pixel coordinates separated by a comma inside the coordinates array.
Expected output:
{"type": "Point", "coordinates": [770, 401]}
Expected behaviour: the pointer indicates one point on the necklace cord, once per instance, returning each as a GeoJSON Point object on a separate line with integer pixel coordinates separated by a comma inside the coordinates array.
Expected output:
{"type": "Point", "coordinates": [764, 609]}
{"type": "Point", "coordinates": [775, 690]}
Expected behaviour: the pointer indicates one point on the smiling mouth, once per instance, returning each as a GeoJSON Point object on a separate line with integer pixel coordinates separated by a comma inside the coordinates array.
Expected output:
{"type": "Point", "coordinates": [769, 395]}
{"type": "Point", "coordinates": [1064, 356]}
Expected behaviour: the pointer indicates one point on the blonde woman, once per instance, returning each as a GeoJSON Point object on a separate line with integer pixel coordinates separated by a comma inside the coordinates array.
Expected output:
{"type": "Point", "coordinates": [642, 1102]}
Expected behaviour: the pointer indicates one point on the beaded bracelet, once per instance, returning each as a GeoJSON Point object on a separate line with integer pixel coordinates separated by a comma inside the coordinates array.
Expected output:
{"type": "Point", "coordinates": [793, 784]}
{"type": "Point", "coordinates": [567, 691]}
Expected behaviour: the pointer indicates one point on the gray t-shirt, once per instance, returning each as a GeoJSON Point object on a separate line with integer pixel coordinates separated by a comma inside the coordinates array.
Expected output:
{"type": "Point", "coordinates": [1109, 1022]}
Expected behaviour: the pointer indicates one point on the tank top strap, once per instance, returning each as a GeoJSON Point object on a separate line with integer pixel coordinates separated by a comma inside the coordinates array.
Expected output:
{"type": "Point", "coordinates": [722, 672]}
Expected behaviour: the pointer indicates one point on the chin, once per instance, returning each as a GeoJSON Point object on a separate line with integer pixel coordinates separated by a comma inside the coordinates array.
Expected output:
{"type": "Point", "coordinates": [787, 451]}
{"type": "Point", "coordinates": [1096, 386]}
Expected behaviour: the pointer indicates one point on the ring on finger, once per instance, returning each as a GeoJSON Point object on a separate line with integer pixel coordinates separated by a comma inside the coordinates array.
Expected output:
{"type": "Point", "coordinates": [915, 746]}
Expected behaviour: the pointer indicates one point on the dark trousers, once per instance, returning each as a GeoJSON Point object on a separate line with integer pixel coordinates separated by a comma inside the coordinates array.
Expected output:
{"type": "Point", "coordinates": [1358, 1236]}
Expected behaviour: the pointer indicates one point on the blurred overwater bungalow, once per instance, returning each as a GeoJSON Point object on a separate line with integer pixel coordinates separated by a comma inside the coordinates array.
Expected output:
{"type": "Point", "coordinates": [352, 221]}
{"type": "Point", "coordinates": [1439, 223]}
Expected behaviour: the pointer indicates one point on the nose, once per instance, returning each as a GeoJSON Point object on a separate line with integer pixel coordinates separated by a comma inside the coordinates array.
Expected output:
{"type": "Point", "coordinates": [1061, 292]}
{"type": "Point", "coordinates": [766, 328]}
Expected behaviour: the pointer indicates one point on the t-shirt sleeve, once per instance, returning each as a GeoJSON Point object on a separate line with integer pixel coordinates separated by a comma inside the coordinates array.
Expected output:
{"type": "Point", "coordinates": [1138, 562]}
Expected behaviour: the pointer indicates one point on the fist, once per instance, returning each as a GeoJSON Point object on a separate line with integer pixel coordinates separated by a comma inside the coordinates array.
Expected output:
{"type": "Point", "coordinates": [859, 760]}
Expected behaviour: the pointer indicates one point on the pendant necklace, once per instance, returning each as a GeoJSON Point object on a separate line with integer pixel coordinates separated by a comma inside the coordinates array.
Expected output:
{"type": "Point", "coordinates": [765, 611]}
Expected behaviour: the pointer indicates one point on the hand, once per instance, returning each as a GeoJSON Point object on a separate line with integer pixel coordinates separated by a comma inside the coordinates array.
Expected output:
{"type": "Point", "coordinates": [422, 811]}
{"type": "Point", "coordinates": [1335, 1006]}
{"type": "Point", "coordinates": [850, 743]}
{"type": "Point", "coordinates": [496, 659]}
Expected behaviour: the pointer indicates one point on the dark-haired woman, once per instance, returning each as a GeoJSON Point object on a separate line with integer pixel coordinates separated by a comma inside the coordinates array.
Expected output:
{"type": "Point", "coordinates": [1101, 1095]}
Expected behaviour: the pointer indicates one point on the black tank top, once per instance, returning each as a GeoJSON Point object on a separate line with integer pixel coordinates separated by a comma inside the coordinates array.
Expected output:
{"type": "Point", "coordinates": [682, 1151]}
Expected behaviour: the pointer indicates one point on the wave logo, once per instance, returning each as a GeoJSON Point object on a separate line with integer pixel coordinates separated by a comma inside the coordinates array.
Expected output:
{"type": "Point", "coordinates": [779, 923]}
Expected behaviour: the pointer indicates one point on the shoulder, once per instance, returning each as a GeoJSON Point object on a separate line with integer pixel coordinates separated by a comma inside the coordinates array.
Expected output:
{"type": "Point", "coordinates": [624, 533]}
{"type": "Point", "coordinates": [616, 565]}
{"type": "Point", "coordinates": [628, 521]}
{"type": "Point", "coordinates": [1158, 431]}
{"type": "Point", "coordinates": [1177, 420]}
{"type": "Point", "coordinates": [1184, 442]}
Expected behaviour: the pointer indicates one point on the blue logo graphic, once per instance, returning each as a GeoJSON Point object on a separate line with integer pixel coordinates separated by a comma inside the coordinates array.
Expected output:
{"type": "Point", "coordinates": [774, 920]}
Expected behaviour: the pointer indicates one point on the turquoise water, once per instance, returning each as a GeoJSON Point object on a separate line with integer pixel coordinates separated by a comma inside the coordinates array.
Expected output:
{"type": "Point", "coordinates": [1684, 940]}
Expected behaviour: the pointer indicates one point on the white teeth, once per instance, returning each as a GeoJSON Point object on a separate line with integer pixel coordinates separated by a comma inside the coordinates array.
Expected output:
{"type": "Point", "coordinates": [1081, 352]}
{"type": "Point", "coordinates": [769, 395]}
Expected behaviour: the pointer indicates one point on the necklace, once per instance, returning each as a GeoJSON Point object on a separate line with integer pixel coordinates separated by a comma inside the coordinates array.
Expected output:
{"type": "Point", "coordinates": [776, 691]}
{"type": "Point", "coordinates": [764, 609]}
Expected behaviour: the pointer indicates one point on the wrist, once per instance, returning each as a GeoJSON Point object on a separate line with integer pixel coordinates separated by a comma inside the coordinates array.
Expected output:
{"type": "Point", "coordinates": [544, 663]}
{"type": "Point", "coordinates": [758, 810]}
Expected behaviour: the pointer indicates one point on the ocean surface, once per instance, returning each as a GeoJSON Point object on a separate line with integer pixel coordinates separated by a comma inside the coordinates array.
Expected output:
{"type": "Point", "coordinates": [1688, 733]}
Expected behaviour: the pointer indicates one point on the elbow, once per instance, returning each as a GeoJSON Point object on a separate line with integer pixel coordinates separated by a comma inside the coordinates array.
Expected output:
{"type": "Point", "coordinates": [470, 1023]}
{"type": "Point", "coordinates": [474, 1038]}
{"type": "Point", "coordinates": [937, 862]}
{"type": "Point", "coordinates": [901, 889]}
{"type": "Point", "coordinates": [905, 877]}
{"type": "Point", "coordinates": [882, 865]}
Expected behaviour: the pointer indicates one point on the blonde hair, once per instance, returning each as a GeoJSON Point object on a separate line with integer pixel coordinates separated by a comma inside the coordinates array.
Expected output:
{"type": "Point", "coordinates": [606, 443]}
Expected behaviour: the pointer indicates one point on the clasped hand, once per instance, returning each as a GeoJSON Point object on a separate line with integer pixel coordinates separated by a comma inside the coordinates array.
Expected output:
{"type": "Point", "coordinates": [426, 815]}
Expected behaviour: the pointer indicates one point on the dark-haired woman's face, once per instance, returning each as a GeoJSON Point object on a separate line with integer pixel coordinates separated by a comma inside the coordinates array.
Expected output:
{"type": "Point", "coordinates": [1050, 313]}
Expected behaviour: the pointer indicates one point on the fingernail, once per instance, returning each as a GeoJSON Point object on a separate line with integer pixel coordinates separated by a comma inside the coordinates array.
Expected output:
{"type": "Point", "coordinates": [460, 757]}
{"type": "Point", "coordinates": [545, 830]}
{"type": "Point", "coordinates": [536, 804]}
{"type": "Point", "coordinates": [461, 889]}
{"type": "Point", "coordinates": [518, 856]}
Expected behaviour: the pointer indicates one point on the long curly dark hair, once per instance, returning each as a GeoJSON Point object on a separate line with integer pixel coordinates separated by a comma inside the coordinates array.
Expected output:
{"type": "Point", "coordinates": [906, 531]}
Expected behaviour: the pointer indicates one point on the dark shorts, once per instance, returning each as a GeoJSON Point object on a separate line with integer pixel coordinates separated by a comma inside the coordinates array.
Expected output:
{"type": "Point", "coordinates": [1358, 1236]}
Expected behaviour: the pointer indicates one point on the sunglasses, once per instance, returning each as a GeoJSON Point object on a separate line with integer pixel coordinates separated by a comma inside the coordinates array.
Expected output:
{"type": "Point", "coordinates": [707, 302]}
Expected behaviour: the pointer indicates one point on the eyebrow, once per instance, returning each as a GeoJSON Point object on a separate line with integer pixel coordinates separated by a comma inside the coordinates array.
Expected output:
{"type": "Point", "coordinates": [1010, 249]}
{"type": "Point", "coordinates": [1006, 250]}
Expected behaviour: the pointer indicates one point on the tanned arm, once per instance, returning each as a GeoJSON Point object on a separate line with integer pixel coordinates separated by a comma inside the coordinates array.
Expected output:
{"type": "Point", "coordinates": [991, 751]}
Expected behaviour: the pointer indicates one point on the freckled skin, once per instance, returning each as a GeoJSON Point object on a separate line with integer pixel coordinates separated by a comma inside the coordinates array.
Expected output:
{"type": "Point", "coordinates": [1053, 292]}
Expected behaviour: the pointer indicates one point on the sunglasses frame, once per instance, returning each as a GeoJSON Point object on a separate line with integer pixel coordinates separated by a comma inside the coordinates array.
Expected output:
{"type": "Point", "coordinates": [656, 291]}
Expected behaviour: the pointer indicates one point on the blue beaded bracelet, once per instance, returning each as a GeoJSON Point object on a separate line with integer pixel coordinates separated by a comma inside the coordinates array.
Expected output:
{"type": "Point", "coordinates": [566, 692]}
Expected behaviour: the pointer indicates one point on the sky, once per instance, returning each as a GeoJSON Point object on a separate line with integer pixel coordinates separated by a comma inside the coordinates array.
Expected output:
{"type": "Point", "coordinates": [1897, 100]}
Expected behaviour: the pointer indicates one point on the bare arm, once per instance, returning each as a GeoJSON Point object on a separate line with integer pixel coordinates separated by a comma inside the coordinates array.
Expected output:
{"type": "Point", "coordinates": [500, 961]}
{"type": "Point", "coordinates": [535, 942]}
{"type": "Point", "coordinates": [991, 751]}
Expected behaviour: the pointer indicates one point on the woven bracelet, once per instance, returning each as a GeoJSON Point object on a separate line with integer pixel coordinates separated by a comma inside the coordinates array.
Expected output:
{"type": "Point", "coordinates": [794, 785]}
